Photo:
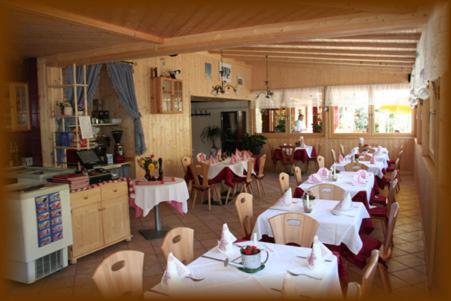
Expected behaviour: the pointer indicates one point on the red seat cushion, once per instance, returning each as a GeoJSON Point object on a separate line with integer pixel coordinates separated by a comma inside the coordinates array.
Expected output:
{"type": "Point", "coordinates": [379, 199]}
{"type": "Point", "coordinates": [378, 212]}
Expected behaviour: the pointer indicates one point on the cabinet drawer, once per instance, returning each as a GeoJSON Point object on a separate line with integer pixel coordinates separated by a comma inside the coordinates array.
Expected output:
{"type": "Point", "coordinates": [114, 190]}
{"type": "Point", "coordinates": [85, 197]}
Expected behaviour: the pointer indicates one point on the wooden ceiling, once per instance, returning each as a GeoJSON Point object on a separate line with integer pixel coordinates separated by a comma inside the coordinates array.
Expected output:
{"type": "Point", "coordinates": [345, 32]}
{"type": "Point", "coordinates": [395, 49]}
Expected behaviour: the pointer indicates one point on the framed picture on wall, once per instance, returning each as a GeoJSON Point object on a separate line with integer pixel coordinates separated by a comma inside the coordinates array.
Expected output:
{"type": "Point", "coordinates": [225, 72]}
{"type": "Point", "coordinates": [207, 71]}
{"type": "Point", "coordinates": [239, 81]}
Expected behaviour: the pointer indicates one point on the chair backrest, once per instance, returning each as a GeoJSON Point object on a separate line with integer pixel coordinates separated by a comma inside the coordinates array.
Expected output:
{"type": "Point", "coordinates": [287, 152]}
{"type": "Point", "coordinates": [328, 191]}
{"type": "Point", "coordinates": [353, 291]}
{"type": "Point", "coordinates": [261, 166]}
{"type": "Point", "coordinates": [392, 192]}
{"type": "Point", "coordinates": [186, 161]}
{"type": "Point", "coordinates": [320, 160]}
{"type": "Point", "coordinates": [388, 241]}
{"type": "Point", "coordinates": [294, 228]}
{"type": "Point", "coordinates": [298, 174]}
{"type": "Point", "coordinates": [284, 182]}
{"type": "Point", "coordinates": [354, 166]}
{"type": "Point", "coordinates": [342, 150]}
{"type": "Point", "coordinates": [250, 169]}
{"type": "Point", "coordinates": [334, 155]}
{"type": "Point", "coordinates": [200, 174]}
{"type": "Point", "coordinates": [369, 273]}
{"type": "Point", "coordinates": [179, 241]}
{"type": "Point", "coordinates": [244, 207]}
{"type": "Point", "coordinates": [120, 275]}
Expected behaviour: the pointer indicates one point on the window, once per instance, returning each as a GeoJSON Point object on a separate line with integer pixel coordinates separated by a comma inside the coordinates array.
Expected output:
{"type": "Point", "coordinates": [392, 111]}
{"type": "Point", "coordinates": [272, 121]}
{"type": "Point", "coordinates": [350, 119]}
{"type": "Point", "coordinates": [350, 108]}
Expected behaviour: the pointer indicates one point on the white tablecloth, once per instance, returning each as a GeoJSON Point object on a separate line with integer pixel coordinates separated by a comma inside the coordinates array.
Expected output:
{"type": "Point", "coordinates": [333, 229]}
{"type": "Point", "coordinates": [344, 180]}
{"type": "Point", "coordinates": [229, 281]}
{"type": "Point", "coordinates": [148, 196]}
{"type": "Point", "coordinates": [375, 168]}
{"type": "Point", "coordinates": [308, 149]}
{"type": "Point", "coordinates": [237, 168]}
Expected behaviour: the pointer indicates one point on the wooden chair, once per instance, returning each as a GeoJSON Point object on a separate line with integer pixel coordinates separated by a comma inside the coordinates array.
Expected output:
{"type": "Point", "coordinates": [284, 182]}
{"type": "Point", "coordinates": [354, 166]}
{"type": "Point", "coordinates": [186, 161]}
{"type": "Point", "coordinates": [353, 290]}
{"type": "Point", "coordinates": [294, 228]}
{"type": "Point", "coordinates": [342, 150]}
{"type": "Point", "coordinates": [288, 155]}
{"type": "Point", "coordinates": [368, 275]}
{"type": "Point", "coordinates": [246, 181]}
{"type": "Point", "coordinates": [244, 207]}
{"type": "Point", "coordinates": [200, 182]}
{"type": "Point", "coordinates": [327, 191]}
{"type": "Point", "coordinates": [382, 213]}
{"type": "Point", "coordinates": [334, 156]}
{"type": "Point", "coordinates": [321, 163]}
{"type": "Point", "coordinates": [298, 175]}
{"type": "Point", "coordinates": [261, 174]}
{"type": "Point", "coordinates": [179, 241]}
{"type": "Point", "coordinates": [120, 275]}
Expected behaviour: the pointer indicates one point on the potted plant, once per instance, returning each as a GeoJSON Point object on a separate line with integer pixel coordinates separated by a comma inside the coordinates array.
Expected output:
{"type": "Point", "coordinates": [253, 143]}
{"type": "Point", "coordinates": [210, 134]}
{"type": "Point", "coordinates": [150, 167]}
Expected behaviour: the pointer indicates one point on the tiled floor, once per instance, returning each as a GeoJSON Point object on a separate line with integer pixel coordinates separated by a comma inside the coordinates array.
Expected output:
{"type": "Point", "coordinates": [406, 267]}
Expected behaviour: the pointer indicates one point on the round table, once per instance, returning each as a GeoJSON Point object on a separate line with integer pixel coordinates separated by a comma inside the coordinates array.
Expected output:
{"type": "Point", "coordinates": [149, 194]}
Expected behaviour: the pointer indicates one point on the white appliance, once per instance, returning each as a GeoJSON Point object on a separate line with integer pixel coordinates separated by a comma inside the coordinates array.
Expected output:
{"type": "Point", "coordinates": [41, 229]}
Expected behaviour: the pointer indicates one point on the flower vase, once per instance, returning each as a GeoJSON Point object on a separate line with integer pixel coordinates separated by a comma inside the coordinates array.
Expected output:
{"type": "Point", "coordinates": [147, 176]}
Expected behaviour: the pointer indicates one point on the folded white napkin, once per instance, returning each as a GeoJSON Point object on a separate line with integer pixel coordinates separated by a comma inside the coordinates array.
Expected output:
{"type": "Point", "coordinates": [317, 258]}
{"type": "Point", "coordinates": [344, 205]}
{"type": "Point", "coordinates": [287, 197]}
{"type": "Point", "coordinates": [289, 286]}
{"type": "Point", "coordinates": [225, 245]}
{"type": "Point", "coordinates": [238, 153]}
{"type": "Point", "coordinates": [219, 155]}
{"type": "Point", "coordinates": [234, 159]}
{"type": "Point", "coordinates": [314, 179]}
{"type": "Point", "coordinates": [174, 274]}
{"type": "Point", "coordinates": [323, 172]}
{"type": "Point", "coordinates": [363, 174]}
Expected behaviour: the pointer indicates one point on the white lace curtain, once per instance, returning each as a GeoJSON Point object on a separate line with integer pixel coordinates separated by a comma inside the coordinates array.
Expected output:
{"type": "Point", "coordinates": [356, 95]}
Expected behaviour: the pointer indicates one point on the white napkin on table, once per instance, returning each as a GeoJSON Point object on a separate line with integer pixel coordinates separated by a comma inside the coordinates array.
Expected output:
{"type": "Point", "coordinates": [314, 179]}
{"type": "Point", "coordinates": [323, 172]}
{"type": "Point", "coordinates": [174, 274]}
{"type": "Point", "coordinates": [317, 258]}
{"type": "Point", "coordinates": [225, 245]}
{"type": "Point", "coordinates": [344, 205]}
{"type": "Point", "coordinates": [201, 157]}
{"type": "Point", "coordinates": [287, 197]}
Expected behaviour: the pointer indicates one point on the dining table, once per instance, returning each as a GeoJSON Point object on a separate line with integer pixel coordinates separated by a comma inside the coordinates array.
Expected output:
{"type": "Point", "coordinates": [230, 281]}
{"type": "Point", "coordinates": [377, 167]}
{"type": "Point", "coordinates": [147, 195]}
{"type": "Point", "coordinates": [334, 228]}
{"type": "Point", "coordinates": [301, 153]}
{"type": "Point", "coordinates": [345, 181]}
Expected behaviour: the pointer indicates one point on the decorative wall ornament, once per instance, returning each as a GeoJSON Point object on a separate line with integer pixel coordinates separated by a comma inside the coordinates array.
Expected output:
{"type": "Point", "coordinates": [225, 77]}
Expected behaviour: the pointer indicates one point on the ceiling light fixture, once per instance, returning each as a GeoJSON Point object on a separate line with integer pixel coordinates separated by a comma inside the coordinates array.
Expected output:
{"type": "Point", "coordinates": [268, 93]}
{"type": "Point", "coordinates": [223, 87]}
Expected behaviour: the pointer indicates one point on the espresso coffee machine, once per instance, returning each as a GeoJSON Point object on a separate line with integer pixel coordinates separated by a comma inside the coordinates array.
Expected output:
{"type": "Point", "coordinates": [118, 156]}
{"type": "Point", "coordinates": [101, 149]}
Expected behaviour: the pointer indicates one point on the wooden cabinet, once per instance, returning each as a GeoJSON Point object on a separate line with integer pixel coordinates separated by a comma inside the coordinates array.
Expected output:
{"type": "Point", "coordinates": [166, 95]}
{"type": "Point", "coordinates": [100, 218]}
{"type": "Point", "coordinates": [17, 108]}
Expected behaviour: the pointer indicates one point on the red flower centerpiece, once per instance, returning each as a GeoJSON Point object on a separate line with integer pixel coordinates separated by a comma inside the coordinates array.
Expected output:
{"type": "Point", "coordinates": [250, 250]}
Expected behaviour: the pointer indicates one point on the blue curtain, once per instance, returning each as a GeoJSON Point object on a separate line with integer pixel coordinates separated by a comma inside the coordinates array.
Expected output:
{"type": "Point", "coordinates": [92, 79]}
{"type": "Point", "coordinates": [121, 75]}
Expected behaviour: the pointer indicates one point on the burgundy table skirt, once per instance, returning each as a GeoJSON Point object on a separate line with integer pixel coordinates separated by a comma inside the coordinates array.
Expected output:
{"type": "Point", "coordinates": [226, 175]}
{"type": "Point", "coordinates": [299, 155]}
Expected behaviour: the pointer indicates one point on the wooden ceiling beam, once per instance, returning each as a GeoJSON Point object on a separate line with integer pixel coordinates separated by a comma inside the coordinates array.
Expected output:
{"type": "Point", "coordinates": [289, 51]}
{"type": "Point", "coordinates": [326, 58]}
{"type": "Point", "coordinates": [329, 27]}
{"type": "Point", "coordinates": [50, 12]}
{"type": "Point", "coordinates": [386, 37]}
{"type": "Point", "coordinates": [345, 44]}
